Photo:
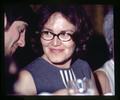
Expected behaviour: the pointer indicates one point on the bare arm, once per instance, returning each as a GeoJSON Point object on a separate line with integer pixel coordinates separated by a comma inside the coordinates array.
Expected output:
{"type": "Point", "coordinates": [25, 84]}
{"type": "Point", "coordinates": [104, 82]}
{"type": "Point", "coordinates": [94, 85]}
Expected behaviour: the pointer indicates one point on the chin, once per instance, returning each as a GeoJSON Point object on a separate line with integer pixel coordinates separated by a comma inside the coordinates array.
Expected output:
{"type": "Point", "coordinates": [58, 60]}
{"type": "Point", "coordinates": [55, 60]}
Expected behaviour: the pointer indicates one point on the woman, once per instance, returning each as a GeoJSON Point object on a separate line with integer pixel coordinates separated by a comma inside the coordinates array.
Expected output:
{"type": "Point", "coordinates": [63, 28]}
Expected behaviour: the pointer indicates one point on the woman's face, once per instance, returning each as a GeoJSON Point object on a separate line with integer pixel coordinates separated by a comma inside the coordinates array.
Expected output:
{"type": "Point", "coordinates": [55, 50]}
{"type": "Point", "coordinates": [14, 37]}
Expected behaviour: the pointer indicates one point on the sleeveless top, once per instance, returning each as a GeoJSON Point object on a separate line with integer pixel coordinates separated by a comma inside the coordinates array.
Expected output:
{"type": "Point", "coordinates": [108, 68]}
{"type": "Point", "coordinates": [49, 78]}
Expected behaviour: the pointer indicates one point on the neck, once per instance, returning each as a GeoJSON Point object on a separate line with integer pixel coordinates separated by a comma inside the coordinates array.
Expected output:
{"type": "Point", "coordinates": [63, 65]}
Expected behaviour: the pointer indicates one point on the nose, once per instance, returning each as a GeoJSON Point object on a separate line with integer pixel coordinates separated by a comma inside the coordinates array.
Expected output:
{"type": "Point", "coordinates": [56, 41]}
{"type": "Point", "coordinates": [21, 41]}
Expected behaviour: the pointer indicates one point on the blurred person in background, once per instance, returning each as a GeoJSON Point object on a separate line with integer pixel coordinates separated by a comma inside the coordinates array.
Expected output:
{"type": "Point", "coordinates": [106, 73]}
{"type": "Point", "coordinates": [16, 21]}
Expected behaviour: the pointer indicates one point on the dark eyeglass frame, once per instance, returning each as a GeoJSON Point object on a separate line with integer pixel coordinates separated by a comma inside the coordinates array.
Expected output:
{"type": "Point", "coordinates": [58, 36]}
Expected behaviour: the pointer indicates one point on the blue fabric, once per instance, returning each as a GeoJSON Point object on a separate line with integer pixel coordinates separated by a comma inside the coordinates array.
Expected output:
{"type": "Point", "coordinates": [47, 77]}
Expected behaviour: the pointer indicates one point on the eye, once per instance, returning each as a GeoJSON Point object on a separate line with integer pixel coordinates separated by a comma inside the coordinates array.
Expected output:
{"type": "Point", "coordinates": [21, 29]}
{"type": "Point", "coordinates": [47, 33]}
{"type": "Point", "coordinates": [65, 34]}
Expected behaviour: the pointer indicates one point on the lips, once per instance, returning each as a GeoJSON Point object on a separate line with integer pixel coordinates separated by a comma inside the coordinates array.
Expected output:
{"type": "Point", "coordinates": [54, 50]}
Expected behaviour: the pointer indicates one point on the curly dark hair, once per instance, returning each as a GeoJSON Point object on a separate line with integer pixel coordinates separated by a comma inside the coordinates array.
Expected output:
{"type": "Point", "coordinates": [74, 14]}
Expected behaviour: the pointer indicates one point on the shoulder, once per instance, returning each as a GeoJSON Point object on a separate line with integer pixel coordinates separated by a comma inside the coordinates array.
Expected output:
{"type": "Point", "coordinates": [101, 74]}
{"type": "Point", "coordinates": [24, 74]}
{"type": "Point", "coordinates": [84, 65]}
{"type": "Point", "coordinates": [107, 68]}
{"type": "Point", "coordinates": [109, 64]}
{"type": "Point", "coordinates": [81, 67]}
{"type": "Point", "coordinates": [25, 84]}
{"type": "Point", "coordinates": [36, 61]}
{"type": "Point", "coordinates": [34, 65]}
{"type": "Point", "coordinates": [81, 62]}
{"type": "Point", "coordinates": [103, 80]}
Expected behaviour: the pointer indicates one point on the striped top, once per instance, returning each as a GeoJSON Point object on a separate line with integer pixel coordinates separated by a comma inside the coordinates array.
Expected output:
{"type": "Point", "coordinates": [49, 78]}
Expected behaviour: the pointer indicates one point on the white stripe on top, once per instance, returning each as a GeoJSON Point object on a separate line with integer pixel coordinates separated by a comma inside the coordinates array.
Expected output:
{"type": "Point", "coordinates": [63, 79]}
{"type": "Point", "coordinates": [67, 75]}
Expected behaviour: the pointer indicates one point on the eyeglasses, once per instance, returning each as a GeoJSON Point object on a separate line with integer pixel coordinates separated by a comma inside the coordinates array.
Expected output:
{"type": "Point", "coordinates": [63, 36]}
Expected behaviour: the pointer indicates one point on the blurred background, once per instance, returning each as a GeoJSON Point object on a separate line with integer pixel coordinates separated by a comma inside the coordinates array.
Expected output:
{"type": "Point", "coordinates": [95, 12]}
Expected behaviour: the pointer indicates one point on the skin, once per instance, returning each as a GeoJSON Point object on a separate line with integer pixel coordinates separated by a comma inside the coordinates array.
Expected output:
{"type": "Point", "coordinates": [104, 81]}
{"type": "Point", "coordinates": [57, 52]}
{"type": "Point", "coordinates": [14, 37]}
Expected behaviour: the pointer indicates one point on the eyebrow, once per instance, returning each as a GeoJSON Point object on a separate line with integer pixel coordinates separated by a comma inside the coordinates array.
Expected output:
{"type": "Point", "coordinates": [45, 28]}
{"type": "Point", "coordinates": [23, 25]}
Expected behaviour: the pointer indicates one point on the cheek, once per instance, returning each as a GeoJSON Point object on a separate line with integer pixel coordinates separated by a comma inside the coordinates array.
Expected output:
{"type": "Point", "coordinates": [69, 47]}
{"type": "Point", "coordinates": [13, 33]}
{"type": "Point", "coordinates": [44, 44]}
{"type": "Point", "coordinates": [11, 36]}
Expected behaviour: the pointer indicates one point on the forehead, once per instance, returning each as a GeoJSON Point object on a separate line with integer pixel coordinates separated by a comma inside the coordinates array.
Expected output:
{"type": "Point", "coordinates": [57, 20]}
{"type": "Point", "coordinates": [20, 23]}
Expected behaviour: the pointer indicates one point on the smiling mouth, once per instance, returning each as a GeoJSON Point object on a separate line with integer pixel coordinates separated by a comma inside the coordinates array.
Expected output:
{"type": "Point", "coordinates": [56, 50]}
